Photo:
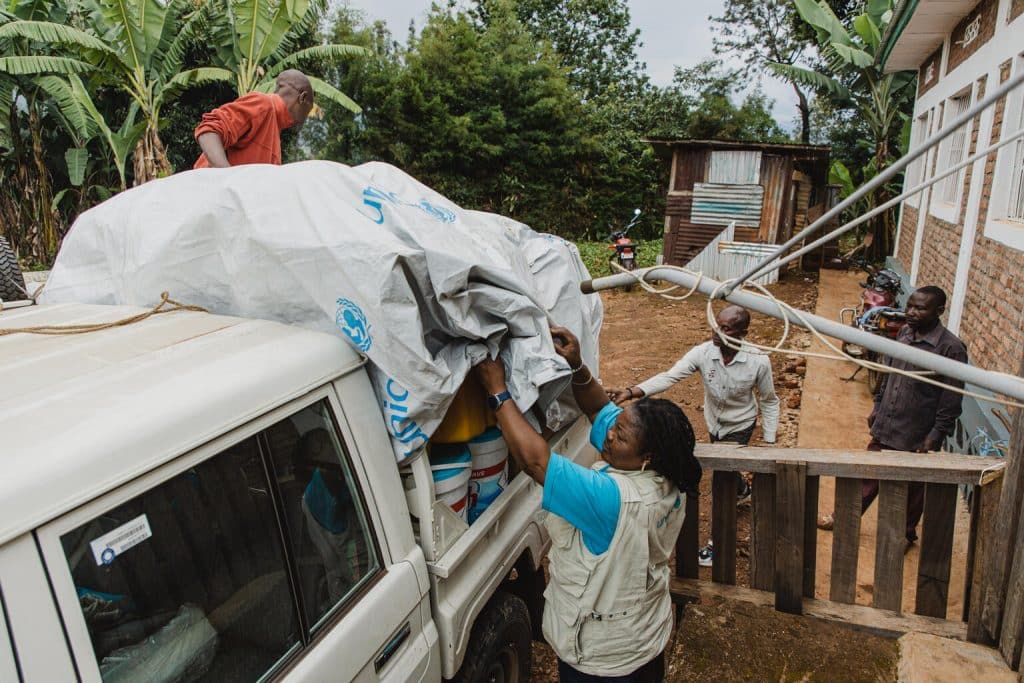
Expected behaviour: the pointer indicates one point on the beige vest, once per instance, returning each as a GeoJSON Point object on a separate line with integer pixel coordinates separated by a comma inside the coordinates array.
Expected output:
{"type": "Point", "coordinates": [609, 614]}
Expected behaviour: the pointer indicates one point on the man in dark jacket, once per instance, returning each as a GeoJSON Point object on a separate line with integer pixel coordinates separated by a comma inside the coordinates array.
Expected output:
{"type": "Point", "coordinates": [910, 415]}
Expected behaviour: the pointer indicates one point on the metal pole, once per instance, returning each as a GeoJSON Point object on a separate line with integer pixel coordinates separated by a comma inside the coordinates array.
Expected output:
{"type": "Point", "coordinates": [993, 381]}
{"type": "Point", "coordinates": [885, 207]}
{"type": "Point", "coordinates": [881, 178]}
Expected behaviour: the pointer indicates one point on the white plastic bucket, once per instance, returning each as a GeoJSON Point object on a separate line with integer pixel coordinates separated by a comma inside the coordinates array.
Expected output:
{"type": "Point", "coordinates": [451, 467]}
{"type": "Point", "coordinates": [490, 471]}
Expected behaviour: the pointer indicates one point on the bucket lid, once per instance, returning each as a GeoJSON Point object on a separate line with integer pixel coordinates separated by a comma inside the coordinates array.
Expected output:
{"type": "Point", "coordinates": [492, 434]}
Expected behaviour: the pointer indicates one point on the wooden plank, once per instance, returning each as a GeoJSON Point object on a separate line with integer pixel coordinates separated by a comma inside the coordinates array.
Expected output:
{"type": "Point", "coordinates": [1001, 551]}
{"type": "Point", "coordinates": [936, 550]}
{"type": "Point", "coordinates": [845, 541]}
{"type": "Point", "coordinates": [891, 543]}
{"type": "Point", "coordinates": [762, 537]}
{"type": "Point", "coordinates": [689, 541]}
{"type": "Point", "coordinates": [723, 526]}
{"type": "Point", "coordinates": [859, 617]}
{"type": "Point", "coordinates": [810, 535]}
{"type": "Point", "coordinates": [984, 506]}
{"type": "Point", "coordinates": [935, 468]}
{"type": "Point", "coordinates": [790, 480]}
{"type": "Point", "coordinates": [1011, 636]}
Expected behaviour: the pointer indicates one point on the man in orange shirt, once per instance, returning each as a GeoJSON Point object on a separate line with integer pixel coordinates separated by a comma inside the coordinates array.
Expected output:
{"type": "Point", "coordinates": [248, 130]}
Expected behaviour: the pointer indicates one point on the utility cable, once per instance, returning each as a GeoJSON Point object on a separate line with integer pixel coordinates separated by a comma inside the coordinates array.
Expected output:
{"type": "Point", "coordinates": [785, 310]}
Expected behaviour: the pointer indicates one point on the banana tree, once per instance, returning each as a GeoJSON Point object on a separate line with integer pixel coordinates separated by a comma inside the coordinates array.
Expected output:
{"type": "Point", "coordinates": [256, 40]}
{"type": "Point", "coordinates": [851, 78]}
{"type": "Point", "coordinates": [135, 45]}
{"type": "Point", "coordinates": [28, 219]}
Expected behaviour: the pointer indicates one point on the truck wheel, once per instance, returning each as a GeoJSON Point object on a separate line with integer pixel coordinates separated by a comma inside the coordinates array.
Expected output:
{"type": "Point", "coordinates": [499, 647]}
{"type": "Point", "coordinates": [11, 280]}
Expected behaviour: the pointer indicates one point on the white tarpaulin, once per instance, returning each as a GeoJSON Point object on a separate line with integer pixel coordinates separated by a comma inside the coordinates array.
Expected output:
{"type": "Point", "coordinates": [421, 286]}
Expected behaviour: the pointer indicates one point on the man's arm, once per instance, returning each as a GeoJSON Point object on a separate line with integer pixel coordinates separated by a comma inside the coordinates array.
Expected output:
{"type": "Point", "coordinates": [949, 408]}
{"type": "Point", "coordinates": [769, 401]}
{"type": "Point", "coordinates": [213, 148]}
{"type": "Point", "coordinates": [684, 367]}
{"type": "Point", "coordinates": [222, 128]}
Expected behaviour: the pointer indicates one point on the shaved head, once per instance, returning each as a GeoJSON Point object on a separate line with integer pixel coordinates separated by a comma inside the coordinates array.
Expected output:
{"type": "Point", "coordinates": [733, 321]}
{"type": "Point", "coordinates": [295, 89]}
{"type": "Point", "coordinates": [737, 313]}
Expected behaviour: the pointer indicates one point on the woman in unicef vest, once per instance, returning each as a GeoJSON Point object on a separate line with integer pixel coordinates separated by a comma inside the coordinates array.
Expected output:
{"type": "Point", "coordinates": [608, 613]}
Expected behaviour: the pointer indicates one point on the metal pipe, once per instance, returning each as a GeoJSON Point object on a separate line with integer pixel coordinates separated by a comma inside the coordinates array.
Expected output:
{"type": "Point", "coordinates": [885, 207]}
{"type": "Point", "coordinates": [993, 381]}
{"type": "Point", "coordinates": [883, 177]}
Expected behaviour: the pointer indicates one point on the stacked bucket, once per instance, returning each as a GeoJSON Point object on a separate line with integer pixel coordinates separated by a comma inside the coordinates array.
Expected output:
{"type": "Point", "coordinates": [468, 456]}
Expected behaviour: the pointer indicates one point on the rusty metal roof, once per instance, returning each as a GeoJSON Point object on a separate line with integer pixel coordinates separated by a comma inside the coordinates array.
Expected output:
{"type": "Point", "coordinates": [815, 151]}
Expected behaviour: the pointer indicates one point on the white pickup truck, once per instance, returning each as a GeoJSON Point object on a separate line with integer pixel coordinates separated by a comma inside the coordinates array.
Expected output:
{"type": "Point", "coordinates": [199, 497]}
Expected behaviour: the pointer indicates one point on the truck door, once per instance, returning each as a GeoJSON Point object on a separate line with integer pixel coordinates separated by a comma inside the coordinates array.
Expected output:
{"type": "Point", "coordinates": [252, 558]}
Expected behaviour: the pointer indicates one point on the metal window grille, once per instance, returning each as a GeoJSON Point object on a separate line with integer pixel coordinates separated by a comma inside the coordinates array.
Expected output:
{"type": "Point", "coordinates": [1016, 208]}
{"type": "Point", "coordinates": [955, 148]}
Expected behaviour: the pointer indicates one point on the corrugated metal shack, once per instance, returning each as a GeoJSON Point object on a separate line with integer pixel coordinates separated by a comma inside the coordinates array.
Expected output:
{"type": "Point", "coordinates": [768, 190]}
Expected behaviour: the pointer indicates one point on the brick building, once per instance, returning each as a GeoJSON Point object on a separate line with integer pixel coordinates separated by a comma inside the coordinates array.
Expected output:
{"type": "Point", "coordinates": [966, 233]}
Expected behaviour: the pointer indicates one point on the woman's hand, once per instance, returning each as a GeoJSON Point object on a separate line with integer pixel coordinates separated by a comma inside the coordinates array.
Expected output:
{"type": "Point", "coordinates": [619, 396]}
{"type": "Point", "coordinates": [567, 346]}
{"type": "Point", "coordinates": [491, 373]}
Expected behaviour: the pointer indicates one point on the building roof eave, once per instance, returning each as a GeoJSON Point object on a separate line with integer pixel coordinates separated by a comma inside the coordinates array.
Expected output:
{"type": "Point", "coordinates": [901, 17]}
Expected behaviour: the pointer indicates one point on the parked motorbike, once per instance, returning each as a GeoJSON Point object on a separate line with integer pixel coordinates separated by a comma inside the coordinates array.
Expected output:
{"type": "Point", "coordinates": [625, 248]}
{"type": "Point", "coordinates": [878, 313]}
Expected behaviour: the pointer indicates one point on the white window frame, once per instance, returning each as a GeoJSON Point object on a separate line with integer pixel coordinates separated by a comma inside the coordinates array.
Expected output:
{"type": "Point", "coordinates": [56, 561]}
{"type": "Point", "coordinates": [947, 194]}
{"type": "Point", "coordinates": [916, 173]}
{"type": "Point", "coordinates": [999, 225]}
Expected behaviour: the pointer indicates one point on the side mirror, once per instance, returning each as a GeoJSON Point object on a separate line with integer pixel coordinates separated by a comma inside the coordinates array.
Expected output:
{"type": "Point", "coordinates": [636, 212]}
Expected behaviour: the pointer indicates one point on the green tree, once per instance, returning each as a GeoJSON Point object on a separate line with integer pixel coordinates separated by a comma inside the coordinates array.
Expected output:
{"type": "Point", "coordinates": [761, 32]}
{"type": "Point", "coordinates": [592, 38]}
{"type": "Point", "coordinates": [255, 40]}
{"type": "Point", "coordinates": [849, 76]}
{"type": "Point", "coordinates": [479, 112]}
{"type": "Point", "coordinates": [136, 45]}
{"type": "Point", "coordinates": [709, 91]}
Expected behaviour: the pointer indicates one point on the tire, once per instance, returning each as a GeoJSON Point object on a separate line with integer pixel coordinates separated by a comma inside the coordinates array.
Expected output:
{"type": "Point", "coordinates": [499, 646]}
{"type": "Point", "coordinates": [11, 280]}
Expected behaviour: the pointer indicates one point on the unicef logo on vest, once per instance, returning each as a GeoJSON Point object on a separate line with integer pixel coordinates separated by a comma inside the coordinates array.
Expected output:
{"type": "Point", "coordinates": [353, 324]}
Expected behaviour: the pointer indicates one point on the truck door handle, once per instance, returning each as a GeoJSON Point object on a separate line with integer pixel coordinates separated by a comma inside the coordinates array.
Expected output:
{"type": "Point", "coordinates": [392, 647]}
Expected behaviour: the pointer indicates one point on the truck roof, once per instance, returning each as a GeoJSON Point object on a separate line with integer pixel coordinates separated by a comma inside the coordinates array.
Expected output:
{"type": "Point", "coordinates": [82, 414]}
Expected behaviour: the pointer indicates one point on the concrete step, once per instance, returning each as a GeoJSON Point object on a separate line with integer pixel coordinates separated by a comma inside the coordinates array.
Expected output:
{"type": "Point", "coordinates": [925, 658]}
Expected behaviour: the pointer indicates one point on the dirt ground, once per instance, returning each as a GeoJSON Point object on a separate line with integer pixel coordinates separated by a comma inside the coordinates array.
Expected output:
{"type": "Point", "coordinates": [725, 640]}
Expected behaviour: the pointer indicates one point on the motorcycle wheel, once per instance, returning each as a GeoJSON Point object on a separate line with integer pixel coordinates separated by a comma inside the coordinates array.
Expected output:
{"type": "Point", "coordinates": [629, 265]}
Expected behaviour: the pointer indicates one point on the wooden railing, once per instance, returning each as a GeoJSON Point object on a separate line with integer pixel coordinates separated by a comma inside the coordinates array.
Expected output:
{"type": "Point", "coordinates": [783, 550]}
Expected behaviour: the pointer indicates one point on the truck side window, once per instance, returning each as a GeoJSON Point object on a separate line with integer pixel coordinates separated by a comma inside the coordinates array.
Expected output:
{"type": "Point", "coordinates": [329, 536]}
{"type": "Point", "coordinates": [188, 581]}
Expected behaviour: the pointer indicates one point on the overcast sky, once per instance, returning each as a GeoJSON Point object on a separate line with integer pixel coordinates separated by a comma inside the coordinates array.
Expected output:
{"type": "Point", "coordinates": [673, 32]}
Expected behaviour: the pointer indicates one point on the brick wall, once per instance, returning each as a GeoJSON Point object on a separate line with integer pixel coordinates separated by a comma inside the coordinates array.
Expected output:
{"type": "Point", "coordinates": [940, 248]}
{"type": "Point", "coordinates": [993, 320]}
{"type": "Point", "coordinates": [973, 31]}
{"type": "Point", "coordinates": [908, 233]}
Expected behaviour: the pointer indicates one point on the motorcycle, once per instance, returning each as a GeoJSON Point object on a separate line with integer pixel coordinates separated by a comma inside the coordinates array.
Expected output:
{"type": "Point", "coordinates": [878, 313]}
{"type": "Point", "coordinates": [625, 249]}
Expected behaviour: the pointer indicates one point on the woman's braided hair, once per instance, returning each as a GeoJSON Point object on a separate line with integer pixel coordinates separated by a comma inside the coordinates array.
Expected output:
{"type": "Point", "coordinates": [668, 436]}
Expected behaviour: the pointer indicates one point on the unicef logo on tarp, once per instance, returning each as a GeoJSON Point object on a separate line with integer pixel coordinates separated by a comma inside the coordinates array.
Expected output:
{"type": "Point", "coordinates": [353, 324]}
{"type": "Point", "coordinates": [439, 212]}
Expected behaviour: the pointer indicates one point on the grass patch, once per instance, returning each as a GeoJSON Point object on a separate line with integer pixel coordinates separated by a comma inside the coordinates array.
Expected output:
{"type": "Point", "coordinates": [596, 254]}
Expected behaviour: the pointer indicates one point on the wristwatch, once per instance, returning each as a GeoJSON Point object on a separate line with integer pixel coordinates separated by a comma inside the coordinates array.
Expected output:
{"type": "Point", "coordinates": [494, 401]}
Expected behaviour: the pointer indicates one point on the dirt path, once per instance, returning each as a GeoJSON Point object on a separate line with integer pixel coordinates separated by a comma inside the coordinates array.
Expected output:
{"type": "Point", "coordinates": [833, 415]}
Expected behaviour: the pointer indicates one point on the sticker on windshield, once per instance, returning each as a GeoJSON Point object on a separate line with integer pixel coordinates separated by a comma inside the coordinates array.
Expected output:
{"type": "Point", "coordinates": [114, 542]}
